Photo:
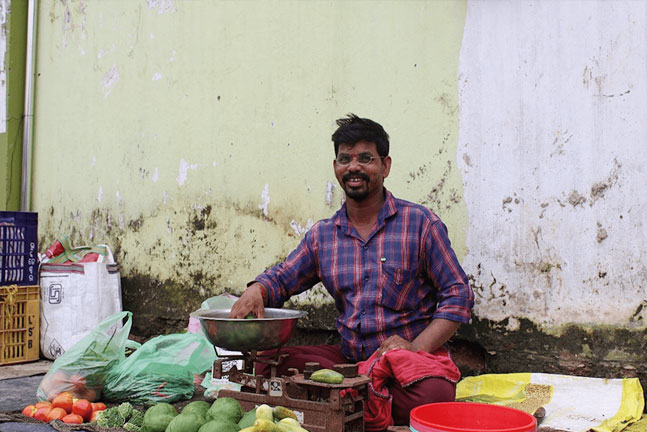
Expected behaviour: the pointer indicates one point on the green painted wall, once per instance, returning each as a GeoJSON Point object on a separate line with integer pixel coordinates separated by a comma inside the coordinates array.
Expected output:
{"type": "Point", "coordinates": [14, 30]}
{"type": "Point", "coordinates": [194, 137]}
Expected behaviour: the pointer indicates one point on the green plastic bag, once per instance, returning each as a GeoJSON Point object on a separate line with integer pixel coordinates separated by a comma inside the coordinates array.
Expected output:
{"type": "Point", "coordinates": [161, 370]}
{"type": "Point", "coordinates": [81, 370]}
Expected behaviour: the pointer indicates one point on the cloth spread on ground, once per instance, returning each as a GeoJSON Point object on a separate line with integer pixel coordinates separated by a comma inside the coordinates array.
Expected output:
{"type": "Point", "coordinates": [406, 367]}
{"type": "Point", "coordinates": [572, 403]}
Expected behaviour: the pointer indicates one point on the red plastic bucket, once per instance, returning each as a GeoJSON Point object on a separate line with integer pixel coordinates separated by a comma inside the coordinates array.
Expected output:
{"type": "Point", "coordinates": [470, 417]}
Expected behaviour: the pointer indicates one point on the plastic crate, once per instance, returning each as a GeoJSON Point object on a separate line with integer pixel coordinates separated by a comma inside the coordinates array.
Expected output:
{"type": "Point", "coordinates": [18, 248]}
{"type": "Point", "coordinates": [19, 324]}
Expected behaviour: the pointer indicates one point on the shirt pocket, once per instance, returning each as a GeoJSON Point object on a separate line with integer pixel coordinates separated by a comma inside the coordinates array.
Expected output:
{"type": "Point", "coordinates": [397, 288]}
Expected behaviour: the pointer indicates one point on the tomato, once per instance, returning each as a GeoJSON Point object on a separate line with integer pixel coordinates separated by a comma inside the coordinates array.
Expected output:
{"type": "Point", "coordinates": [41, 413]}
{"type": "Point", "coordinates": [55, 383]}
{"type": "Point", "coordinates": [56, 414]}
{"type": "Point", "coordinates": [82, 407]}
{"type": "Point", "coordinates": [29, 411]}
{"type": "Point", "coordinates": [72, 419]}
{"type": "Point", "coordinates": [93, 417]}
{"type": "Point", "coordinates": [78, 383]}
{"type": "Point", "coordinates": [42, 404]}
{"type": "Point", "coordinates": [98, 406]}
{"type": "Point", "coordinates": [63, 400]}
{"type": "Point", "coordinates": [58, 383]}
{"type": "Point", "coordinates": [88, 394]}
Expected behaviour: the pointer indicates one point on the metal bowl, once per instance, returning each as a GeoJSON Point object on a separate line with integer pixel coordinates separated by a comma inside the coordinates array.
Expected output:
{"type": "Point", "coordinates": [259, 334]}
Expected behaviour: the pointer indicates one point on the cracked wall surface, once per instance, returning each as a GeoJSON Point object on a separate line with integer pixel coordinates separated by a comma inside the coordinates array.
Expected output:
{"type": "Point", "coordinates": [552, 109]}
{"type": "Point", "coordinates": [551, 160]}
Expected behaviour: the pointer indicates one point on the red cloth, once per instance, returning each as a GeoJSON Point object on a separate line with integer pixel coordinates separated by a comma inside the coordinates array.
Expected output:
{"type": "Point", "coordinates": [406, 367]}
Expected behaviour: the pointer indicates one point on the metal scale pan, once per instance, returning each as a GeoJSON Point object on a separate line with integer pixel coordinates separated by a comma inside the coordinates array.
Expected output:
{"type": "Point", "coordinates": [253, 334]}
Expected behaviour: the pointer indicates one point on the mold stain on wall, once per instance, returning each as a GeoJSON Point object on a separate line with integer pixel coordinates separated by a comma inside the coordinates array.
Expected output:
{"type": "Point", "coordinates": [520, 345]}
{"type": "Point", "coordinates": [174, 258]}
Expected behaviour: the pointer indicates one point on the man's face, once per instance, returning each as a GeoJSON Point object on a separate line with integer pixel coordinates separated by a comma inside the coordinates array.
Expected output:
{"type": "Point", "coordinates": [358, 180]}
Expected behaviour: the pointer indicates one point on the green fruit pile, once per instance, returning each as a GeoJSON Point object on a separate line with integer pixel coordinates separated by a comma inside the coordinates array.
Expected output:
{"type": "Point", "coordinates": [223, 415]}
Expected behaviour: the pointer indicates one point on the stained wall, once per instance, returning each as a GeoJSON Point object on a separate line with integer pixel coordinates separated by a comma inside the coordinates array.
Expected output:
{"type": "Point", "coordinates": [194, 138]}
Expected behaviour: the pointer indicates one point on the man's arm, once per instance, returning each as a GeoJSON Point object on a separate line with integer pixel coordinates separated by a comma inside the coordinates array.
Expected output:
{"type": "Point", "coordinates": [436, 334]}
{"type": "Point", "coordinates": [274, 286]}
{"type": "Point", "coordinates": [429, 340]}
{"type": "Point", "coordinates": [454, 294]}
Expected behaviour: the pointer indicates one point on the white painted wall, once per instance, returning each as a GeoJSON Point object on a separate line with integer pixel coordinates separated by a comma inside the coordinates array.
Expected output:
{"type": "Point", "coordinates": [553, 154]}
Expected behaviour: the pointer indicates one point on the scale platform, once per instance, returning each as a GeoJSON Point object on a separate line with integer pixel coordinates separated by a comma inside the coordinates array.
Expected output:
{"type": "Point", "coordinates": [320, 407]}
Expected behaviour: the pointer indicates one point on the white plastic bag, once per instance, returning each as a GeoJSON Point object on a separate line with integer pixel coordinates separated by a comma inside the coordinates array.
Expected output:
{"type": "Point", "coordinates": [75, 297]}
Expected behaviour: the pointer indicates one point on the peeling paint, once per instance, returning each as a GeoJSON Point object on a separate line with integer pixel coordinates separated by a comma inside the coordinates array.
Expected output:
{"type": "Point", "coordinates": [330, 187]}
{"type": "Point", "coordinates": [265, 199]}
{"type": "Point", "coordinates": [162, 6]}
{"type": "Point", "coordinates": [576, 199]}
{"type": "Point", "coordinates": [183, 171]}
{"type": "Point", "coordinates": [300, 230]}
{"type": "Point", "coordinates": [601, 188]}
{"type": "Point", "coordinates": [110, 80]}
{"type": "Point", "coordinates": [602, 234]}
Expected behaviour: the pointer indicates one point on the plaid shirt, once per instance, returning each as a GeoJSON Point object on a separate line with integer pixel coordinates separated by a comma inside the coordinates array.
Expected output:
{"type": "Point", "coordinates": [394, 283]}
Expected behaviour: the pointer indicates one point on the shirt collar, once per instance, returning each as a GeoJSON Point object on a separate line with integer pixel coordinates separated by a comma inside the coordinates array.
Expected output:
{"type": "Point", "coordinates": [389, 208]}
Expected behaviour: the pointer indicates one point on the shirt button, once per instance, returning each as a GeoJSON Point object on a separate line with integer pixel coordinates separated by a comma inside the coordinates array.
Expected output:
{"type": "Point", "coordinates": [363, 312]}
{"type": "Point", "coordinates": [366, 278]}
{"type": "Point", "coordinates": [365, 246]}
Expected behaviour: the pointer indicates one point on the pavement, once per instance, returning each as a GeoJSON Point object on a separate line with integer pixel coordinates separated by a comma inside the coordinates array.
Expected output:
{"type": "Point", "coordinates": [18, 385]}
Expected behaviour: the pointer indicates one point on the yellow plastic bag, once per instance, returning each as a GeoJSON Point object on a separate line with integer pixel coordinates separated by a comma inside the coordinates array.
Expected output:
{"type": "Point", "coordinates": [572, 403]}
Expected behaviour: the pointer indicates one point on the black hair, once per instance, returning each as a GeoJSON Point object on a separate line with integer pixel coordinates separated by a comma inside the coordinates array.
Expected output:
{"type": "Point", "coordinates": [353, 129]}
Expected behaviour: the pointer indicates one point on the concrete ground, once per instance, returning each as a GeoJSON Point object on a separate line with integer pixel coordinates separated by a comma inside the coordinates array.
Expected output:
{"type": "Point", "coordinates": [18, 385]}
{"type": "Point", "coordinates": [25, 369]}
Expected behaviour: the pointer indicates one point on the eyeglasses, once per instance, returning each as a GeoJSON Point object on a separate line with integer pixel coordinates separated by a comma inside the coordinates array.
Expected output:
{"type": "Point", "coordinates": [344, 159]}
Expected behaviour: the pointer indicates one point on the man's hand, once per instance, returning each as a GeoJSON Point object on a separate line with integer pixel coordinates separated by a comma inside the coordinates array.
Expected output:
{"type": "Point", "coordinates": [396, 342]}
{"type": "Point", "coordinates": [252, 301]}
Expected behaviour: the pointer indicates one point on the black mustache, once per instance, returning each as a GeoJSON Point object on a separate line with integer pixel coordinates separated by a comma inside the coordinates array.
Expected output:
{"type": "Point", "coordinates": [360, 175]}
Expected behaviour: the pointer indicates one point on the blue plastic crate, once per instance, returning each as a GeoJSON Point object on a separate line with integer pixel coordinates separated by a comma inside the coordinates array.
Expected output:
{"type": "Point", "coordinates": [18, 248]}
